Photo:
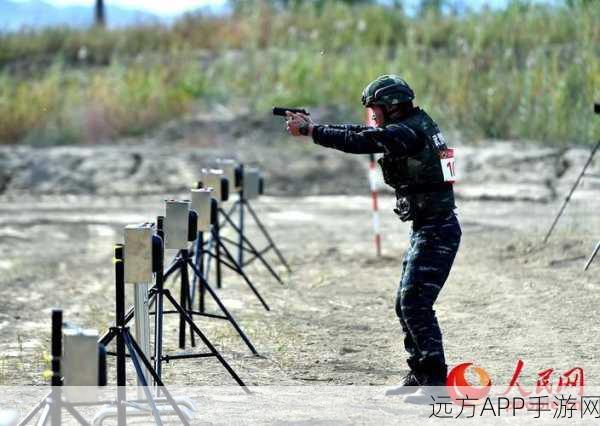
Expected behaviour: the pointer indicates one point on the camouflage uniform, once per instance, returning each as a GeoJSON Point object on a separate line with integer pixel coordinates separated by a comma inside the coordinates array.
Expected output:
{"type": "Point", "coordinates": [411, 165]}
{"type": "Point", "coordinates": [426, 265]}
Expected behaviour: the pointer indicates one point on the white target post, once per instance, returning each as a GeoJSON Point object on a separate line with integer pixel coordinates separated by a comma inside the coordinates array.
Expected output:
{"type": "Point", "coordinates": [373, 185]}
{"type": "Point", "coordinates": [138, 271]}
{"type": "Point", "coordinates": [375, 203]}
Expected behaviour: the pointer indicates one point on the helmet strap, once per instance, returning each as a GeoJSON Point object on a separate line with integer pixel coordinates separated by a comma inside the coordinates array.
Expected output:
{"type": "Point", "coordinates": [399, 111]}
{"type": "Point", "coordinates": [386, 113]}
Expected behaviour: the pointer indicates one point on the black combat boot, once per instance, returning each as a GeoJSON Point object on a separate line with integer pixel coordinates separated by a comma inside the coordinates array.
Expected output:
{"type": "Point", "coordinates": [408, 384]}
{"type": "Point", "coordinates": [433, 375]}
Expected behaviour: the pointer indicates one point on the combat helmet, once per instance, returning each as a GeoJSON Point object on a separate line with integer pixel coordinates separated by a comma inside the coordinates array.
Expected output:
{"type": "Point", "coordinates": [387, 90]}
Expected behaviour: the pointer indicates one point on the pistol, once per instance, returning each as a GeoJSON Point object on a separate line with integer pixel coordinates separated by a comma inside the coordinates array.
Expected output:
{"type": "Point", "coordinates": [281, 111]}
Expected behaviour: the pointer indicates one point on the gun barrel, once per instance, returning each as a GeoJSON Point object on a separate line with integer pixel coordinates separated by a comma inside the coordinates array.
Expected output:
{"type": "Point", "coordinates": [281, 111]}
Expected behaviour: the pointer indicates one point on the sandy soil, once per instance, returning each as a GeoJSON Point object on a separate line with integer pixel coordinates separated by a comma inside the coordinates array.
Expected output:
{"type": "Point", "coordinates": [508, 296]}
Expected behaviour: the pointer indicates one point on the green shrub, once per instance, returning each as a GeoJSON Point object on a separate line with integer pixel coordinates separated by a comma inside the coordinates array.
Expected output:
{"type": "Point", "coordinates": [529, 72]}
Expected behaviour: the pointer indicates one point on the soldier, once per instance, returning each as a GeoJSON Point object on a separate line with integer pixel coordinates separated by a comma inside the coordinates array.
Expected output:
{"type": "Point", "coordinates": [416, 164]}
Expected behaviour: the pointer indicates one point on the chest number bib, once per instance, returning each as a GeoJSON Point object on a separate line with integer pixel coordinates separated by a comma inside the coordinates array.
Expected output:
{"type": "Point", "coordinates": [448, 166]}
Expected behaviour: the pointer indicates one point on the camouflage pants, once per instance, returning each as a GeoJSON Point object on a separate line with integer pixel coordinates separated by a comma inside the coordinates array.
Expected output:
{"type": "Point", "coordinates": [426, 265]}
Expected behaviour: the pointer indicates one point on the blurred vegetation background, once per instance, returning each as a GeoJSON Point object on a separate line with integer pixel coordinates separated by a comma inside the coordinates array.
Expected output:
{"type": "Point", "coordinates": [527, 71]}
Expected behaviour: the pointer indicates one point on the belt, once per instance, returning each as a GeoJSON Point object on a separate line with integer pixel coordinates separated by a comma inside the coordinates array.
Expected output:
{"type": "Point", "coordinates": [419, 221]}
{"type": "Point", "coordinates": [419, 188]}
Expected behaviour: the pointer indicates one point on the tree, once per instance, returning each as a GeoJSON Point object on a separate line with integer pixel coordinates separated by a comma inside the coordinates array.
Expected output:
{"type": "Point", "coordinates": [431, 6]}
{"type": "Point", "coordinates": [579, 3]}
{"type": "Point", "coordinates": [99, 15]}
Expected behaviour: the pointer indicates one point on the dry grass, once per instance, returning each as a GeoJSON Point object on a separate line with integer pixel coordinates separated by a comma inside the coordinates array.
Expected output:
{"type": "Point", "coordinates": [529, 72]}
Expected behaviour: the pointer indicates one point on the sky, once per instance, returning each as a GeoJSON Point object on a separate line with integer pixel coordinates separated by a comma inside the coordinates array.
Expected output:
{"type": "Point", "coordinates": [158, 7]}
{"type": "Point", "coordinates": [176, 7]}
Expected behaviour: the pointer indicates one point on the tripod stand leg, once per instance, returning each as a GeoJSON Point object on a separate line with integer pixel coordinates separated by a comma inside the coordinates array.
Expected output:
{"type": "Point", "coordinates": [44, 417]}
{"type": "Point", "coordinates": [142, 318]}
{"type": "Point", "coordinates": [183, 303]}
{"type": "Point", "coordinates": [241, 225]}
{"type": "Point", "coordinates": [182, 325]}
{"type": "Point", "coordinates": [118, 330]}
{"type": "Point", "coordinates": [171, 269]}
{"type": "Point", "coordinates": [225, 311]}
{"type": "Point", "coordinates": [267, 236]}
{"type": "Point", "coordinates": [232, 210]}
{"type": "Point", "coordinates": [75, 414]}
{"type": "Point", "coordinates": [591, 259]}
{"type": "Point", "coordinates": [202, 290]}
{"type": "Point", "coordinates": [158, 381]}
{"type": "Point", "coordinates": [217, 232]}
{"type": "Point", "coordinates": [34, 411]}
{"type": "Point", "coordinates": [158, 330]}
{"type": "Point", "coordinates": [254, 251]}
{"type": "Point", "coordinates": [205, 340]}
{"type": "Point", "coordinates": [199, 262]}
{"type": "Point", "coordinates": [568, 198]}
{"type": "Point", "coordinates": [240, 271]}
{"type": "Point", "coordinates": [185, 295]}
{"type": "Point", "coordinates": [121, 383]}
{"type": "Point", "coordinates": [109, 335]}
{"type": "Point", "coordinates": [140, 373]}
{"type": "Point", "coordinates": [210, 244]}
{"type": "Point", "coordinates": [194, 280]}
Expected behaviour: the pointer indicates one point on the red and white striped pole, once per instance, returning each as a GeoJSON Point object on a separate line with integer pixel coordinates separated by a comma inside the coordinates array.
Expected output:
{"type": "Point", "coordinates": [369, 119]}
{"type": "Point", "coordinates": [373, 185]}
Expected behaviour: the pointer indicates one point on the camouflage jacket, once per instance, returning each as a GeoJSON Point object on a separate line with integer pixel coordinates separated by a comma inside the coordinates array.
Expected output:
{"type": "Point", "coordinates": [410, 164]}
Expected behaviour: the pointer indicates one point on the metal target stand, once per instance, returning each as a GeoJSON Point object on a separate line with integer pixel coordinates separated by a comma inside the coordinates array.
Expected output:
{"type": "Point", "coordinates": [249, 186]}
{"type": "Point", "coordinates": [570, 194]}
{"type": "Point", "coordinates": [149, 367]}
{"type": "Point", "coordinates": [181, 262]}
{"type": "Point", "coordinates": [125, 341]}
{"type": "Point", "coordinates": [157, 296]}
{"type": "Point", "coordinates": [213, 248]}
{"type": "Point", "coordinates": [592, 256]}
{"type": "Point", "coordinates": [203, 251]}
{"type": "Point", "coordinates": [52, 406]}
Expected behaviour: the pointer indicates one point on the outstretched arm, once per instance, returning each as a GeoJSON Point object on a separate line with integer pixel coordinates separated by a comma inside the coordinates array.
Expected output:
{"type": "Point", "coordinates": [345, 139]}
{"type": "Point", "coordinates": [397, 139]}
{"type": "Point", "coordinates": [353, 127]}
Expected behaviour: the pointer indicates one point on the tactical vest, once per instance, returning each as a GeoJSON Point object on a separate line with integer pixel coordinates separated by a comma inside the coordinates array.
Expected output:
{"type": "Point", "coordinates": [418, 180]}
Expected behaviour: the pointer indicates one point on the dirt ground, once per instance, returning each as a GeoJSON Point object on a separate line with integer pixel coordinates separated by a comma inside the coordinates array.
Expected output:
{"type": "Point", "coordinates": [508, 297]}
